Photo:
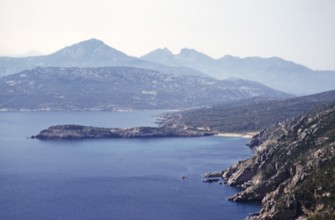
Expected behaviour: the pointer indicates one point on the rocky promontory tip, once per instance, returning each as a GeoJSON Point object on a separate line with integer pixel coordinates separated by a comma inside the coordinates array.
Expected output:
{"type": "Point", "coordinates": [89, 132]}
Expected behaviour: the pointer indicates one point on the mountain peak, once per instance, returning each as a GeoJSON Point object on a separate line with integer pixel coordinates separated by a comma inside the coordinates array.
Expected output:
{"type": "Point", "coordinates": [161, 55]}
{"type": "Point", "coordinates": [92, 41]}
{"type": "Point", "coordinates": [191, 55]}
{"type": "Point", "coordinates": [165, 49]}
{"type": "Point", "coordinates": [91, 49]}
{"type": "Point", "coordinates": [88, 45]}
{"type": "Point", "coordinates": [162, 51]}
{"type": "Point", "coordinates": [187, 51]}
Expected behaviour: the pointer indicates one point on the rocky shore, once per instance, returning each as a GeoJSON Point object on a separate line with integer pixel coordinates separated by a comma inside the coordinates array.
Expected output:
{"type": "Point", "coordinates": [292, 173]}
{"type": "Point", "coordinates": [89, 132]}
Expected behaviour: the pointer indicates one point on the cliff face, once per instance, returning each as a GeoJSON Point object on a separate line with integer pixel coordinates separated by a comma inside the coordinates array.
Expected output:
{"type": "Point", "coordinates": [293, 172]}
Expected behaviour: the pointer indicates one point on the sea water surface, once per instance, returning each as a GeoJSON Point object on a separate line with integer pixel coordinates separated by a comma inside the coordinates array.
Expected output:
{"type": "Point", "coordinates": [112, 178]}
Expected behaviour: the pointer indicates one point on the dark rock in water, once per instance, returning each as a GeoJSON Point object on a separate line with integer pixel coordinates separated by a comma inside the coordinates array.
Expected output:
{"type": "Point", "coordinates": [213, 174]}
{"type": "Point", "coordinates": [213, 177]}
{"type": "Point", "coordinates": [89, 132]}
{"type": "Point", "coordinates": [293, 170]}
{"type": "Point", "coordinates": [210, 180]}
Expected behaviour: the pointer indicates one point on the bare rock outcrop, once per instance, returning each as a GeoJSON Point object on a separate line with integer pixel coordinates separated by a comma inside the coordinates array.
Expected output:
{"type": "Point", "coordinates": [292, 173]}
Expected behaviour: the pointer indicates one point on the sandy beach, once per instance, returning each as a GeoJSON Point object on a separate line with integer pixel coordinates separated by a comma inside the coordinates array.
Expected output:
{"type": "Point", "coordinates": [241, 135]}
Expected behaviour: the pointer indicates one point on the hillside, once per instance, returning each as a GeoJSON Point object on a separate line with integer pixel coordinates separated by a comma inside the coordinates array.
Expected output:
{"type": "Point", "coordinates": [293, 170]}
{"type": "Point", "coordinates": [274, 72]}
{"type": "Point", "coordinates": [119, 88]}
{"type": "Point", "coordinates": [248, 115]}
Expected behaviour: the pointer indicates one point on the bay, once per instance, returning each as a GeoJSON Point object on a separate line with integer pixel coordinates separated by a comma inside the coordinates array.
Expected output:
{"type": "Point", "coordinates": [112, 178]}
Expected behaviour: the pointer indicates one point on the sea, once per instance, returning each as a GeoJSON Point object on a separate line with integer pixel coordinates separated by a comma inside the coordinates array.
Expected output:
{"type": "Point", "coordinates": [113, 178]}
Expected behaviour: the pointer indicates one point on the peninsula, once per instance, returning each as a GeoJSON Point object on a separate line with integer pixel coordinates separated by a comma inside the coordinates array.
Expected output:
{"type": "Point", "coordinates": [89, 132]}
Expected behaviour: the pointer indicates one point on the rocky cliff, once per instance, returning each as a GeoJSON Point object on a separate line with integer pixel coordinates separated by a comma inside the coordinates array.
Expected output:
{"type": "Point", "coordinates": [89, 132]}
{"type": "Point", "coordinates": [292, 173]}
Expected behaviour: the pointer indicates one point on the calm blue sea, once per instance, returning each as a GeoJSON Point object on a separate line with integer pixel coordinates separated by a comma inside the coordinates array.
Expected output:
{"type": "Point", "coordinates": [115, 178]}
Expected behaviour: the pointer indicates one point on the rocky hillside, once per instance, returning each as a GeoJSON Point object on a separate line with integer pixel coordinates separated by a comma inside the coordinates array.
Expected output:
{"type": "Point", "coordinates": [293, 170]}
{"type": "Point", "coordinates": [249, 115]}
{"type": "Point", "coordinates": [119, 88]}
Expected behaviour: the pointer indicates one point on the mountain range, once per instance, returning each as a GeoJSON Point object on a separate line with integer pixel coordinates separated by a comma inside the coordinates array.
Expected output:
{"type": "Point", "coordinates": [89, 53]}
{"type": "Point", "coordinates": [274, 72]}
{"type": "Point", "coordinates": [119, 88]}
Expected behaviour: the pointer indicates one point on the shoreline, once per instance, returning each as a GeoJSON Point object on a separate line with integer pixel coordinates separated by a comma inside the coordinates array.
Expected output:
{"type": "Point", "coordinates": [247, 135]}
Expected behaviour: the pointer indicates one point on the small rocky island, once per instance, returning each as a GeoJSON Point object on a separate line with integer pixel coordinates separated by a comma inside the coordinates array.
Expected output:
{"type": "Point", "coordinates": [89, 132]}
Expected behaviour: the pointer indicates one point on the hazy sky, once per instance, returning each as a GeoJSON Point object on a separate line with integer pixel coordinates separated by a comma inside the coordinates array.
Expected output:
{"type": "Point", "coordinates": [299, 30]}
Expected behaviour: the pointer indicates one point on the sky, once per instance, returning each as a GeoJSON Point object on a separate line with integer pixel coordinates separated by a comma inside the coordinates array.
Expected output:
{"type": "Point", "coordinates": [302, 31]}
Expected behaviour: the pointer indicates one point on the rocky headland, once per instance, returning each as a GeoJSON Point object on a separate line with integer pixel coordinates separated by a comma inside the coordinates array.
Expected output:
{"type": "Point", "coordinates": [89, 132]}
{"type": "Point", "coordinates": [292, 173]}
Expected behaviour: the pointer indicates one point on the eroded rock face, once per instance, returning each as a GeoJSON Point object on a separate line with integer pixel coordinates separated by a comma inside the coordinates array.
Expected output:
{"type": "Point", "coordinates": [293, 170]}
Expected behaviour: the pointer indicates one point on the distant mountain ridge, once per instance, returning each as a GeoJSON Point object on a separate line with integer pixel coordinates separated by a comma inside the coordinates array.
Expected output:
{"type": "Point", "coordinates": [30, 53]}
{"type": "Point", "coordinates": [119, 88]}
{"type": "Point", "coordinates": [89, 53]}
{"type": "Point", "coordinates": [274, 72]}
{"type": "Point", "coordinates": [186, 57]}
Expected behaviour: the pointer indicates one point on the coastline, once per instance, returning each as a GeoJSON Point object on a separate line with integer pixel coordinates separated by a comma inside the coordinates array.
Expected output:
{"type": "Point", "coordinates": [247, 135]}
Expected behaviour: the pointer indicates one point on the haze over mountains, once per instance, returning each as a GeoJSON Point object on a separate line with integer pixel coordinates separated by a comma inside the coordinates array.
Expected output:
{"type": "Point", "coordinates": [274, 72]}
